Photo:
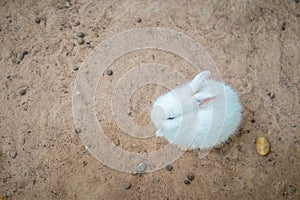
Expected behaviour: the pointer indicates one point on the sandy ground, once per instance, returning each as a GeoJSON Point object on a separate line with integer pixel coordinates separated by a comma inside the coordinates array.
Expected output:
{"type": "Point", "coordinates": [255, 45]}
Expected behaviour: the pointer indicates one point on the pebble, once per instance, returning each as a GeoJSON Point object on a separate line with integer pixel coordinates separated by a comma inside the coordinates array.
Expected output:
{"type": "Point", "coordinates": [141, 167]}
{"type": "Point", "coordinates": [13, 154]}
{"type": "Point", "coordinates": [271, 94]}
{"type": "Point", "coordinates": [65, 91]}
{"type": "Point", "coordinates": [139, 20]}
{"type": "Point", "coordinates": [80, 41]}
{"type": "Point", "coordinates": [76, 23]}
{"type": "Point", "coordinates": [24, 173]}
{"type": "Point", "coordinates": [22, 91]}
{"type": "Point", "coordinates": [22, 55]}
{"type": "Point", "coordinates": [187, 182]}
{"type": "Point", "coordinates": [283, 26]}
{"type": "Point", "coordinates": [68, 3]}
{"type": "Point", "coordinates": [262, 146]}
{"type": "Point", "coordinates": [75, 68]}
{"type": "Point", "coordinates": [77, 130]}
{"type": "Point", "coordinates": [169, 167]}
{"type": "Point", "coordinates": [37, 20]}
{"type": "Point", "coordinates": [80, 34]}
{"type": "Point", "coordinates": [109, 72]}
{"type": "Point", "coordinates": [127, 185]}
{"type": "Point", "coordinates": [190, 177]}
{"type": "Point", "coordinates": [292, 189]}
{"type": "Point", "coordinates": [296, 1]}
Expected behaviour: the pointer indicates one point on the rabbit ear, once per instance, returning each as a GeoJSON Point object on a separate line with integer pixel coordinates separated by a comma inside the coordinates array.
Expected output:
{"type": "Point", "coordinates": [205, 99]}
{"type": "Point", "coordinates": [196, 83]}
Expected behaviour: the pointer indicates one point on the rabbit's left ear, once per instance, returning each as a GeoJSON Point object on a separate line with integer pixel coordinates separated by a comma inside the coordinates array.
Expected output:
{"type": "Point", "coordinates": [205, 99]}
{"type": "Point", "coordinates": [198, 81]}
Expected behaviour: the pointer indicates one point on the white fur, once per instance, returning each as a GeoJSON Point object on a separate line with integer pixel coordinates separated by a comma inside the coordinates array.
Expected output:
{"type": "Point", "coordinates": [200, 114]}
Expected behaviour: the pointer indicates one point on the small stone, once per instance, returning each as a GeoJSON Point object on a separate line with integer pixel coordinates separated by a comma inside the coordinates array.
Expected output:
{"type": "Point", "coordinates": [80, 41]}
{"type": "Point", "coordinates": [76, 23]}
{"type": "Point", "coordinates": [127, 185]}
{"type": "Point", "coordinates": [77, 130]}
{"type": "Point", "coordinates": [109, 72]}
{"type": "Point", "coordinates": [292, 189]}
{"type": "Point", "coordinates": [13, 154]}
{"type": "Point", "coordinates": [190, 177]}
{"type": "Point", "coordinates": [262, 146]}
{"type": "Point", "coordinates": [240, 177]}
{"type": "Point", "coordinates": [22, 55]}
{"type": "Point", "coordinates": [80, 34]}
{"type": "Point", "coordinates": [294, 125]}
{"type": "Point", "coordinates": [169, 167]}
{"type": "Point", "coordinates": [75, 68]}
{"type": "Point", "coordinates": [283, 26]}
{"type": "Point", "coordinates": [271, 94]}
{"type": "Point", "coordinates": [138, 20]}
{"type": "Point", "coordinates": [296, 1]}
{"type": "Point", "coordinates": [68, 3]}
{"type": "Point", "coordinates": [24, 173]}
{"type": "Point", "coordinates": [37, 20]}
{"type": "Point", "coordinates": [22, 91]}
{"type": "Point", "coordinates": [65, 91]}
{"type": "Point", "coordinates": [187, 182]}
{"type": "Point", "coordinates": [141, 167]}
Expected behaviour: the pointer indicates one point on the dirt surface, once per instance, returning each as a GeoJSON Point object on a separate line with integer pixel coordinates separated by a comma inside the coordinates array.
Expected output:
{"type": "Point", "coordinates": [255, 45]}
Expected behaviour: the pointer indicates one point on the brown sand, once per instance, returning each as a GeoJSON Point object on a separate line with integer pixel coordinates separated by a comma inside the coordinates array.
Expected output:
{"type": "Point", "coordinates": [255, 45]}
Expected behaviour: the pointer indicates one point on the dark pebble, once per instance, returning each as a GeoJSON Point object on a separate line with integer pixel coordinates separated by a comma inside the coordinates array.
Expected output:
{"type": "Point", "coordinates": [76, 23]}
{"type": "Point", "coordinates": [75, 68]}
{"type": "Point", "coordinates": [190, 177]}
{"type": "Point", "coordinates": [22, 91]}
{"type": "Point", "coordinates": [252, 120]}
{"type": "Point", "coordinates": [296, 1]}
{"type": "Point", "coordinates": [13, 154]}
{"type": "Point", "coordinates": [77, 130]}
{"type": "Point", "coordinates": [80, 34]}
{"type": "Point", "coordinates": [22, 54]}
{"type": "Point", "coordinates": [109, 72]}
{"type": "Point", "coordinates": [187, 182]}
{"type": "Point", "coordinates": [283, 26]}
{"type": "Point", "coordinates": [127, 186]}
{"type": "Point", "coordinates": [139, 20]}
{"type": "Point", "coordinates": [169, 167]}
{"type": "Point", "coordinates": [80, 41]}
{"type": "Point", "coordinates": [292, 189]}
{"type": "Point", "coordinates": [37, 20]}
{"type": "Point", "coordinates": [271, 94]}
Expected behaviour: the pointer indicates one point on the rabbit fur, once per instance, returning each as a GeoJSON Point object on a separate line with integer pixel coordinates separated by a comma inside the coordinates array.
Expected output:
{"type": "Point", "coordinates": [198, 115]}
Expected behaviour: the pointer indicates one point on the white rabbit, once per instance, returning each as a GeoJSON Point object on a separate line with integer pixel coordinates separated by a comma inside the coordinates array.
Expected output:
{"type": "Point", "coordinates": [200, 114]}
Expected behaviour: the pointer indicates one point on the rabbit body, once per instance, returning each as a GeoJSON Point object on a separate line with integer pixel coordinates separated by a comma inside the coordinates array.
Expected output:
{"type": "Point", "coordinates": [200, 114]}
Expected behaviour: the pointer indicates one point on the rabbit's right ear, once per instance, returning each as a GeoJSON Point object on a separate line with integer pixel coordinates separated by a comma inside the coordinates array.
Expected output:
{"type": "Point", "coordinates": [197, 82]}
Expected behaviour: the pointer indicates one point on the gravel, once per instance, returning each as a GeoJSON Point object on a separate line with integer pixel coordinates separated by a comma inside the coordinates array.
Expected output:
{"type": "Point", "coordinates": [109, 72]}
{"type": "Point", "coordinates": [80, 41]}
{"type": "Point", "coordinates": [75, 68]}
{"type": "Point", "coordinates": [127, 185]}
{"type": "Point", "coordinates": [13, 154]}
{"type": "Point", "coordinates": [80, 34]}
{"type": "Point", "coordinates": [138, 20]}
{"type": "Point", "coordinates": [190, 177]}
{"type": "Point", "coordinates": [76, 23]}
{"type": "Point", "coordinates": [187, 182]}
{"type": "Point", "coordinates": [141, 167]}
{"type": "Point", "coordinates": [169, 167]}
{"type": "Point", "coordinates": [22, 91]}
{"type": "Point", "coordinates": [37, 20]}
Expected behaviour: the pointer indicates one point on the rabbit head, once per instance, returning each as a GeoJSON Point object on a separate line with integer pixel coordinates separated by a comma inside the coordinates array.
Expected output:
{"type": "Point", "coordinates": [200, 114]}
